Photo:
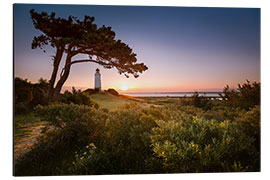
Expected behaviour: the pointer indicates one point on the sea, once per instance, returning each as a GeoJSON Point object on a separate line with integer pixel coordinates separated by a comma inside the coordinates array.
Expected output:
{"type": "Point", "coordinates": [172, 94]}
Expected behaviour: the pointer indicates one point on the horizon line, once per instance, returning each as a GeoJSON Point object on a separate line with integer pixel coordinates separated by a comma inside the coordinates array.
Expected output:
{"type": "Point", "coordinates": [215, 90]}
{"type": "Point", "coordinates": [173, 92]}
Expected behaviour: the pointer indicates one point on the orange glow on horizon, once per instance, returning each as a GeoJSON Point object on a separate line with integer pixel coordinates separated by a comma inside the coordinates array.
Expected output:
{"type": "Point", "coordinates": [124, 87]}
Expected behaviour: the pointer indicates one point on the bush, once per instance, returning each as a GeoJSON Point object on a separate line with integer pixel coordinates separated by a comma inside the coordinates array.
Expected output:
{"type": "Point", "coordinates": [23, 91]}
{"type": "Point", "coordinates": [72, 127]}
{"type": "Point", "coordinates": [250, 123]}
{"type": "Point", "coordinates": [203, 146]}
{"type": "Point", "coordinates": [78, 97]}
{"type": "Point", "coordinates": [124, 146]}
{"type": "Point", "coordinates": [222, 113]}
{"type": "Point", "coordinates": [39, 95]}
{"type": "Point", "coordinates": [246, 96]}
{"type": "Point", "coordinates": [47, 157]}
{"type": "Point", "coordinates": [137, 140]}
{"type": "Point", "coordinates": [21, 108]}
{"type": "Point", "coordinates": [180, 141]}
{"type": "Point", "coordinates": [91, 91]}
{"type": "Point", "coordinates": [78, 121]}
{"type": "Point", "coordinates": [113, 92]}
{"type": "Point", "coordinates": [197, 101]}
{"type": "Point", "coordinates": [28, 95]}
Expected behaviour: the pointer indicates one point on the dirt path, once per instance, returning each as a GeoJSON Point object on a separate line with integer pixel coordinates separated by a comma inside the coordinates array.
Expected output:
{"type": "Point", "coordinates": [24, 144]}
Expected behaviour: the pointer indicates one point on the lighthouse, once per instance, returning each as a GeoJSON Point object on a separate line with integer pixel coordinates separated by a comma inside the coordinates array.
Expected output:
{"type": "Point", "coordinates": [97, 80]}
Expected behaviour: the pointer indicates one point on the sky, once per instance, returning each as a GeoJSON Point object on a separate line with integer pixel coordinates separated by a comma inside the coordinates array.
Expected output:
{"type": "Point", "coordinates": [185, 48]}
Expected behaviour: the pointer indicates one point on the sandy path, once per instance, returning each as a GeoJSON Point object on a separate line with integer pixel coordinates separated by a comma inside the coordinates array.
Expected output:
{"type": "Point", "coordinates": [24, 144]}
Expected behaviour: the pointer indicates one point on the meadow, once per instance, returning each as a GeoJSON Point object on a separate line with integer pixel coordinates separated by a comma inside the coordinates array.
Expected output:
{"type": "Point", "coordinates": [104, 133]}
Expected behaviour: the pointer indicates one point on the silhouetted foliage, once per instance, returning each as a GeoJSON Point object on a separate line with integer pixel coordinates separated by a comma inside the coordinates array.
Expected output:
{"type": "Point", "coordinates": [23, 91]}
{"type": "Point", "coordinates": [39, 92]}
{"type": "Point", "coordinates": [77, 97]}
{"type": "Point", "coordinates": [113, 92]}
{"type": "Point", "coordinates": [197, 101]}
{"type": "Point", "coordinates": [28, 95]}
{"type": "Point", "coordinates": [246, 96]}
{"type": "Point", "coordinates": [91, 91]}
{"type": "Point", "coordinates": [73, 36]}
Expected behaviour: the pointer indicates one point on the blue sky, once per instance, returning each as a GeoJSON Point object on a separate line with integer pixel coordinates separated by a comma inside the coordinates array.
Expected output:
{"type": "Point", "coordinates": [185, 48]}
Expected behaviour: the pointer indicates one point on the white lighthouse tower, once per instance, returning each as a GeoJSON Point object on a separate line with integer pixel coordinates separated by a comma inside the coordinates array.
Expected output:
{"type": "Point", "coordinates": [97, 80]}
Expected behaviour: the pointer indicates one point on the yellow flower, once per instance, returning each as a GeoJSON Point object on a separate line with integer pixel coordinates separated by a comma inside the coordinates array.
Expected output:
{"type": "Point", "coordinates": [162, 154]}
{"type": "Point", "coordinates": [222, 124]}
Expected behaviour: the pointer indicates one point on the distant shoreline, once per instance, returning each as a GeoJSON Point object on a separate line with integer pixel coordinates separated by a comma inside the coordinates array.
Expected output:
{"type": "Point", "coordinates": [200, 92]}
{"type": "Point", "coordinates": [173, 94]}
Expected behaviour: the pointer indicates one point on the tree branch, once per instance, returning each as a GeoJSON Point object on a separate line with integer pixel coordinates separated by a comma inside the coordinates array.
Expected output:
{"type": "Point", "coordinates": [90, 60]}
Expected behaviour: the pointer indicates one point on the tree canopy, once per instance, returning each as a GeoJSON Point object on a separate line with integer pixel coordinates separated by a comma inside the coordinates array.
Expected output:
{"type": "Point", "coordinates": [74, 36]}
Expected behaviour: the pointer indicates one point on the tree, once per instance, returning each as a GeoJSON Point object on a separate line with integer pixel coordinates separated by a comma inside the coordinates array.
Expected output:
{"type": "Point", "coordinates": [71, 37]}
{"type": "Point", "coordinates": [28, 95]}
{"type": "Point", "coordinates": [23, 91]}
{"type": "Point", "coordinates": [39, 92]}
{"type": "Point", "coordinates": [246, 96]}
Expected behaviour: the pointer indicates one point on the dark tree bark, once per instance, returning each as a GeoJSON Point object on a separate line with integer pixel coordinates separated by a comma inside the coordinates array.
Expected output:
{"type": "Point", "coordinates": [63, 76]}
{"type": "Point", "coordinates": [57, 60]}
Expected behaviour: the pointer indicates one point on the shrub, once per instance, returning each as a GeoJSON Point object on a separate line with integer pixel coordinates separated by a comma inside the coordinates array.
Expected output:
{"type": "Point", "coordinates": [72, 127]}
{"type": "Point", "coordinates": [250, 123]}
{"type": "Point", "coordinates": [203, 146]}
{"type": "Point", "coordinates": [47, 157]}
{"type": "Point", "coordinates": [113, 92]}
{"type": "Point", "coordinates": [190, 110]}
{"type": "Point", "coordinates": [91, 91]}
{"type": "Point", "coordinates": [21, 108]}
{"type": "Point", "coordinates": [127, 139]}
{"type": "Point", "coordinates": [23, 92]}
{"type": "Point", "coordinates": [68, 116]}
{"type": "Point", "coordinates": [78, 97]}
{"type": "Point", "coordinates": [197, 101]}
{"type": "Point", "coordinates": [223, 113]}
{"type": "Point", "coordinates": [123, 148]}
{"type": "Point", "coordinates": [245, 96]}
{"type": "Point", "coordinates": [28, 95]}
{"type": "Point", "coordinates": [39, 91]}
{"type": "Point", "coordinates": [133, 139]}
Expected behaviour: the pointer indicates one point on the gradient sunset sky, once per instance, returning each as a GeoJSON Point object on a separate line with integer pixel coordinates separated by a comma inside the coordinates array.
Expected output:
{"type": "Point", "coordinates": [185, 48]}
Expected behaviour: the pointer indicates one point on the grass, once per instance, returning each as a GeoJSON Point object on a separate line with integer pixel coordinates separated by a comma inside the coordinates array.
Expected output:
{"type": "Point", "coordinates": [27, 128]}
{"type": "Point", "coordinates": [111, 102]}
{"type": "Point", "coordinates": [161, 100]}
{"type": "Point", "coordinates": [22, 124]}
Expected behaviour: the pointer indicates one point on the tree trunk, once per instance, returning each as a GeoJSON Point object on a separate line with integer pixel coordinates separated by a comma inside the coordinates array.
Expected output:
{"type": "Point", "coordinates": [62, 79]}
{"type": "Point", "coordinates": [57, 60]}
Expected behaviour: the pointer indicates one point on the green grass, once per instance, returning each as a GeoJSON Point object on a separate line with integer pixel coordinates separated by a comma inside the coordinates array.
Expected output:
{"type": "Point", "coordinates": [22, 123]}
{"type": "Point", "coordinates": [111, 102]}
{"type": "Point", "coordinates": [161, 100]}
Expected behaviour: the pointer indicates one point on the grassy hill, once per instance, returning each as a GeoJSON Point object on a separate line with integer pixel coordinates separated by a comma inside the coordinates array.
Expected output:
{"type": "Point", "coordinates": [111, 102]}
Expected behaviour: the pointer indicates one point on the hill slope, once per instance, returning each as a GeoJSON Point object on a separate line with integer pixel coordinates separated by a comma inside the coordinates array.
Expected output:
{"type": "Point", "coordinates": [111, 102]}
